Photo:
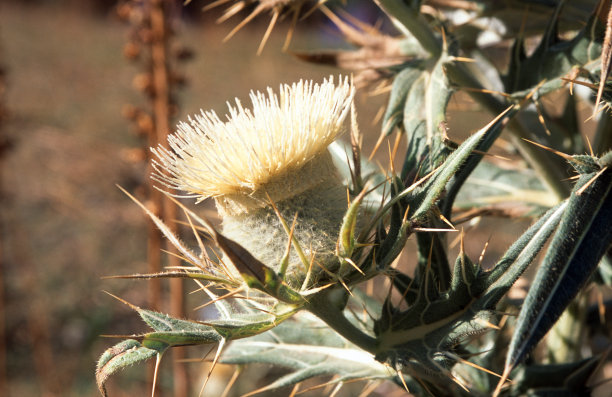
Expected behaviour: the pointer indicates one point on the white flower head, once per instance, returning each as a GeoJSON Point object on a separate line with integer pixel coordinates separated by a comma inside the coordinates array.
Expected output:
{"type": "Point", "coordinates": [254, 148]}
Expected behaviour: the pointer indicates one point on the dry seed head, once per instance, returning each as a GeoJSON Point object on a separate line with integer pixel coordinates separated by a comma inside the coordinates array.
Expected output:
{"type": "Point", "coordinates": [254, 151]}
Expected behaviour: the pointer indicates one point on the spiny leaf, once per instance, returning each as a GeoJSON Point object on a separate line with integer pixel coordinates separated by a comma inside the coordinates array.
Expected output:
{"type": "Point", "coordinates": [407, 18]}
{"type": "Point", "coordinates": [423, 338]}
{"type": "Point", "coordinates": [432, 254]}
{"type": "Point", "coordinates": [162, 322]}
{"type": "Point", "coordinates": [490, 184]}
{"type": "Point", "coordinates": [310, 350]}
{"type": "Point", "coordinates": [512, 16]}
{"type": "Point", "coordinates": [244, 261]}
{"type": "Point", "coordinates": [555, 379]}
{"type": "Point", "coordinates": [435, 185]}
{"type": "Point", "coordinates": [395, 238]}
{"type": "Point", "coordinates": [402, 84]}
{"type": "Point", "coordinates": [424, 119]}
{"type": "Point", "coordinates": [459, 177]}
{"type": "Point", "coordinates": [244, 325]}
{"type": "Point", "coordinates": [346, 240]}
{"type": "Point", "coordinates": [177, 274]}
{"type": "Point", "coordinates": [161, 341]}
{"type": "Point", "coordinates": [122, 355]}
{"type": "Point", "coordinates": [172, 332]}
{"type": "Point", "coordinates": [508, 269]}
{"type": "Point", "coordinates": [375, 51]}
{"type": "Point", "coordinates": [581, 240]}
{"type": "Point", "coordinates": [554, 58]}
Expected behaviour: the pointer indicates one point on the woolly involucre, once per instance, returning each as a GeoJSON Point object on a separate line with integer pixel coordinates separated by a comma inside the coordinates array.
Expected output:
{"type": "Point", "coordinates": [243, 160]}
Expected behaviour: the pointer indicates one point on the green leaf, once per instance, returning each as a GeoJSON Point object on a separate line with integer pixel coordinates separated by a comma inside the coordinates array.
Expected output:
{"type": "Point", "coordinates": [162, 322]}
{"type": "Point", "coordinates": [567, 379]}
{"type": "Point", "coordinates": [173, 331]}
{"type": "Point", "coordinates": [394, 239]}
{"type": "Point", "coordinates": [162, 340]}
{"type": "Point", "coordinates": [463, 172]}
{"type": "Point", "coordinates": [554, 58]}
{"type": "Point", "coordinates": [402, 84]}
{"type": "Point", "coordinates": [432, 254]}
{"type": "Point", "coordinates": [244, 325]}
{"type": "Point", "coordinates": [424, 120]}
{"type": "Point", "coordinates": [489, 185]}
{"type": "Point", "coordinates": [417, 105]}
{"type": "Point", "coordinates": [346, 240]}
{"type": "Point", "coordinates": [508, 269]}
{"type": "Point", "coordinates": [423, 340]}
{"type": "Point", "coordinates": [237, 322]}
{"type": "Point", "coordinates": [423, 202]}
{"type": "Point", "coordinates": [309, 349]}
{"type": "Point", "coordinates": [580, 242]}
{"type": "Point", "coordinates": [407, 18]}
{"type": "Point", "coordinates": [122, 355]}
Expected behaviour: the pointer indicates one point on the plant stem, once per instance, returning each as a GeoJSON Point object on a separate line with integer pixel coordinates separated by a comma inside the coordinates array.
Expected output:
{"type": "Point", "coordinates": [325, 306]}
{"type": "Point", "coordinates": [160, 13]}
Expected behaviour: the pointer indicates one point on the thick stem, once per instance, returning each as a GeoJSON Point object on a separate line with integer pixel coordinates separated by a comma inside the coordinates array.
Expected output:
{"type": "Point", "coordinates": [328, 305]}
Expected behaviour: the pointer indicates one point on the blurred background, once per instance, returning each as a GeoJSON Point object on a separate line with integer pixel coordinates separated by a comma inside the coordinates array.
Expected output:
{"type": "Point", "coordinates": [76, 116]}
{"type": "Point", "coordinates": [70, 74]}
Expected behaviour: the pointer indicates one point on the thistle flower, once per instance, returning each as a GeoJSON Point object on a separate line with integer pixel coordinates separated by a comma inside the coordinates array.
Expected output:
{"type": "Point", "coordinates": [276, 152]}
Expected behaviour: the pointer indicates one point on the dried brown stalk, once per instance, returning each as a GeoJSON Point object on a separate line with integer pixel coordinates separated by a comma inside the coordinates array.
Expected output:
{"type": "Point", "coordinates": [3, 147]}
{"type": "Point", "coordinates": [152, 34]}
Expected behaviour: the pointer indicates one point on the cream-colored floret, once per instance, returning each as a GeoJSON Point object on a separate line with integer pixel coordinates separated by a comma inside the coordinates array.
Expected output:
{"type": "Point", "coordinates": [253, 148]}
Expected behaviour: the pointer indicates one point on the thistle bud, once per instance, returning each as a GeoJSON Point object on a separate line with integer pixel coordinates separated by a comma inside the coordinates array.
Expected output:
{"type": "Point", "coordinates": [275, 153]}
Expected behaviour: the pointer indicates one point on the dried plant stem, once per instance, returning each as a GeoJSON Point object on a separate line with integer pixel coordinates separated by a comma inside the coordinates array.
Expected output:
{"type": "Point", "coordinates": [159, 11]}
{"type": "Point", "coordinates": [154, 254]}
{"type": "Point", "coordinates": [154, 259]}
{"type": "Point", "coordinates": [3, 141]}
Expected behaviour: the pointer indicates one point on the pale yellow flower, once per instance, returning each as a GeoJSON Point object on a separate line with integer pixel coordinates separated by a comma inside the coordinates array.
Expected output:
{"type": "Point", "coordinates": [276, 151]}
{"type": "Point", "coordinates": [254, 149]}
